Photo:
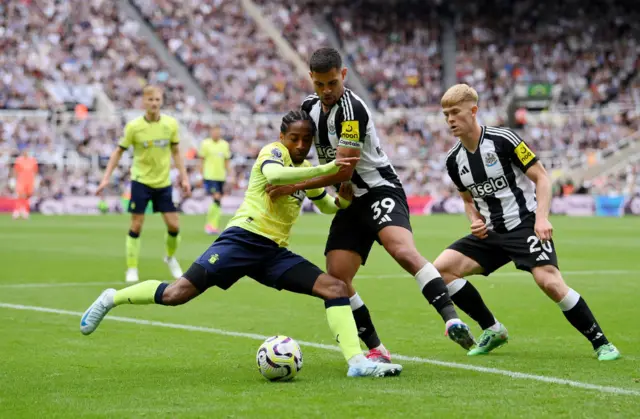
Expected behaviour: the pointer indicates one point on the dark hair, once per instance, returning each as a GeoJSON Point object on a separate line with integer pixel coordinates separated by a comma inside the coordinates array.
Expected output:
{"type": "Point", "coordinates": [325, 59]}
{"type": "Point", "coordinates": [295, 116]}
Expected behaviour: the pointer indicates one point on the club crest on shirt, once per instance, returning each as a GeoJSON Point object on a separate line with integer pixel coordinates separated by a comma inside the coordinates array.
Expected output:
{"type": "Point", "coordinates": [490, 159]}
{"type": "Point", "coordinates": [332, 127]}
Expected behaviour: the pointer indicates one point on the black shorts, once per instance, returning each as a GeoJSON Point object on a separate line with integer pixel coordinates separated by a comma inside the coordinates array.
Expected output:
{"type": "Point", "coordinates": [213, 186]}
{"type": "Point", "coordinates": [141, 194]}
{"type": "Point", "coordinates": [357, 227]}
{"type": "Point", "coordinates": [520, 245]}
{"type": "Point", "coordinates": [237, 253]}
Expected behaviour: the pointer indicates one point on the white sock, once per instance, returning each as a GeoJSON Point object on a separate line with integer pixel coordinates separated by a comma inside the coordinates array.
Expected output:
{"type": "Point", "coordinates": [496, 327]}
{"type": "Point", "coordinates": [456, 285]}
{"type": "Point", "coordinates": [426, 275]}
{"type": "Point", "coordinates": [356, 302]}
{"type": "Point", "coordinates": [357, 359]}
{"type": "Point", "coordinates": [569, 301]}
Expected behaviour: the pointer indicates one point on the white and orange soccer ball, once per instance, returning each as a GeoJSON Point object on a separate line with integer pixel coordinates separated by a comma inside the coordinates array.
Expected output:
{"type": "Point", "coordinates": [279, 358]}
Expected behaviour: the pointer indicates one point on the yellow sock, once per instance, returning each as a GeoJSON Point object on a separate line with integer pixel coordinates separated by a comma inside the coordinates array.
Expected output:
{"type": "Point", "coordinates": [343, 326]}
{"type": "Point", "coordinates": [133, 250]}
{"type": "Point", "coordinates": [142, 293]}
{"type": "Point", "coordinates": [171, 243]}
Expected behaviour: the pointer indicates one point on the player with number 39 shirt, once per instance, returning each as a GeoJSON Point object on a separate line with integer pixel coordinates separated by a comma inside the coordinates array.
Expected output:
{"type": "Point", "coordinates": [507, 194]}
{"type": "Point", "coordinates": [379, 211]}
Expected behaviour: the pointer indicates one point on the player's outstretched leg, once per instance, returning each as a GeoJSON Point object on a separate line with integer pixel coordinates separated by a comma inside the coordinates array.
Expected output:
{"type": "Point", "coordinates": [575, 309]}
{"type": "Point", "coordinates": [147, 292]}
{"type": "Point", "coordinates": [398, 242]}
{"type": "Point", "coordinates": [344, 264]}
{"type": "Point", "coordinates": [453, 266]}
{"type": "Point", "coordinates": [306, 278]}
{"type": "Point", "coordinates": [172, 239]}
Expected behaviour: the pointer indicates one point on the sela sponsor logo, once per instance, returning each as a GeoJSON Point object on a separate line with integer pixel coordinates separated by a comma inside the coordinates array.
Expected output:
{"type": "Point", "coordinates": [326, 153]}
{"type": "Point", "coordinates": [489, 187]}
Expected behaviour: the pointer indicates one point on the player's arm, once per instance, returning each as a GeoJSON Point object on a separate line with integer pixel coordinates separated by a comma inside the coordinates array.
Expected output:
{"type": "Point", "coordinates": [227, 161]}
{"type": "Point", "coordinates": [326, 203]}
{"type": "Point", "coordinates": [277, 174]}
{"type": "Point", "coordinates": [115, 157]}
{"type": "Point", "coordinates": [179, 162]}
{"type": "Point", "coordinates": [526, 160]}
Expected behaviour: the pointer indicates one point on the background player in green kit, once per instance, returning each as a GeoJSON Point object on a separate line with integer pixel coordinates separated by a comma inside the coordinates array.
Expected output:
{"type": "Point", "coordinates": [215, 154]}
{"type": "Point", "coordinates": [154, 138]}
{"type": "Point", "coordinates": [254, 244]}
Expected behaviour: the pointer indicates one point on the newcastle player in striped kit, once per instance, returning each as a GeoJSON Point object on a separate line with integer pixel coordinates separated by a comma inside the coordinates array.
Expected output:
{"type": "Point", "coordinates": [379, 212]}
{"type": "Point", "coordinates": [507, 194]}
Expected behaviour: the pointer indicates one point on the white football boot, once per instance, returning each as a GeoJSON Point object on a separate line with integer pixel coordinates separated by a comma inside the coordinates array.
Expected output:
{"type": "Point", "coordinates": [132, 275]}
{"type": "Point", "coordinates": [174, 266]}
{"type": "Point", "coordinates": [93, 316]}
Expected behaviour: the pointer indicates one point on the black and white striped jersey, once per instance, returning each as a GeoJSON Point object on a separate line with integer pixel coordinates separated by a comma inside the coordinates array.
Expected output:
{"type": "Point", "coordinates": [495, 176]}
{"type": "Point", "coordinates": [349, 123]}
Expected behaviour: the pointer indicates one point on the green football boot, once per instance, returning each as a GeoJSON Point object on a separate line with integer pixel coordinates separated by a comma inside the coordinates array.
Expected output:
{"type": "Point", "coordinates": [490, 340]}
{"type": "Point", "coordinates": [608, 352]}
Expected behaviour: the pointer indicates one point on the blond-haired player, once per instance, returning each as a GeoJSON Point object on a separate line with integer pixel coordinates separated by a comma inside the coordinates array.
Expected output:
{"type": "Point", "coordinates": [154, 138]}
{"type": "Point", "coordinates": [507, 194]}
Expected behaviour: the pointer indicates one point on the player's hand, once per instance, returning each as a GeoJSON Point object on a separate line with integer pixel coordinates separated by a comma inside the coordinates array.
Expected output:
{"type": "Point", "coordinates": [543, 229]}
{"type": "Point", "coordinates": [346, 193]}
{"type": "Point", "coordinates": [346, 164]}
{"type": "Point", "coordinates": [103, 184]}
{"type": "Point", "coordinates": [479, 229]}
{"type": "Point", "coordinates": [186, 187]}
{"type": "Point", "coordinates": [276, 192]}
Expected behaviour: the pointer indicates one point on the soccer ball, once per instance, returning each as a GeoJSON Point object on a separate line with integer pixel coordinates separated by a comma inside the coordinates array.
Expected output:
{"type": "Point", "coordinates": [279, 358]}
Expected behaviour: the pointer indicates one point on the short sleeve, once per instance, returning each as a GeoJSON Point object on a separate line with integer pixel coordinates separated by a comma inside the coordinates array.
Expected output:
{"type": "Point", "coordinates": [353, 129]}
{"type": "Point", "coordinates": [127, 140]}
{"type": "Point", "coordinates": [519, 152]}
{"type": "Point", "coordinates": [452, 170]}
{"type": "Point", "coordinates": [227, 154]}
{"type": "Point", "coordinates": [274, 153]}
{"type": "Point", "coordinates": [175, 139]}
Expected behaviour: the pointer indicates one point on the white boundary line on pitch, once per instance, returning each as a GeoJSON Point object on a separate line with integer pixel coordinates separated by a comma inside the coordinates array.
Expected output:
{"type": "Point", "coordinates": [518, 273]}
{"type": "Point", "coordinates": [456, 365]}
{"type": "Point", "coordinates": [364, 276]}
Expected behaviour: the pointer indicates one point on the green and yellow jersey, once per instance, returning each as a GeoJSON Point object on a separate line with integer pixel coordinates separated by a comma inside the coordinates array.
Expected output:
{"type": "Point", "coordinates": [215, 155]}
{"type": "Point", "coordinates": [151, 142]}
{"type": "Point", "coordinates": [258, 213]}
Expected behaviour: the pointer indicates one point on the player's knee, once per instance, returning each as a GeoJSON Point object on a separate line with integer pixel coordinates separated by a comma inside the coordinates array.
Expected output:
{"type": "Point", "coordinates": [447, 272]}
{"type": "Point", "coordinates": [407, 256]}
{"type": "Point", "coordinates": [550, 281]}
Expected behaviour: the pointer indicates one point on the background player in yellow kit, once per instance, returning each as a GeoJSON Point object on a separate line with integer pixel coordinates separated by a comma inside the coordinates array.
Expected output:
{"type": "Point", "coordinates": [254, 244]}
{"type": "Point", "coordinates": [215, 153]}
{"type": "Point", "coordinates": [154, 138]}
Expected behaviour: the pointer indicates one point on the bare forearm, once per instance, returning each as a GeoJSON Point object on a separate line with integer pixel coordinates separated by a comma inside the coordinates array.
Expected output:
{"type": "Point", "coordinates": [113, 162]}
{"type": "Point", "coordinates": [471, 212]}
{"type": "Point", "coordinates": [177, 158]}
{"type": "Point", "coordinates": [543, 196]}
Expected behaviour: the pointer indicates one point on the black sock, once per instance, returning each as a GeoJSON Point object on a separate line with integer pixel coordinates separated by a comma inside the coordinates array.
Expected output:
{"type": "Point", "coordinates": [581, 317]}
{"type": "Point", "coordinates": [435, 291]}
{"type": "Point", "coordinates": [366, 331]}
{"type": "Point", "coordinates": [469, 300]}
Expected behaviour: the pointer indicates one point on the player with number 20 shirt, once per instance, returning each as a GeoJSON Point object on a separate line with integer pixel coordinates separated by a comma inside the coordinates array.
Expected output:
{"type": "Point", "coordinates": [379, 211]}
{"type": "Point", "coordinates": [507, 194]}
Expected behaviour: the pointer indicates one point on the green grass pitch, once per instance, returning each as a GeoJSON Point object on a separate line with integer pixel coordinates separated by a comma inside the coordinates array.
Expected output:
{"type": "Point", "coordinates": [128, 369]}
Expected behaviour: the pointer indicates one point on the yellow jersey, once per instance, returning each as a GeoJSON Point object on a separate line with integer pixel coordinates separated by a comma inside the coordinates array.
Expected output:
{"type": "Point", "coordinates": [258, 213]}
{"type": "Point", "coordinates": [151, 142]}
{"type": "Point", "coordinates": [215, 155]}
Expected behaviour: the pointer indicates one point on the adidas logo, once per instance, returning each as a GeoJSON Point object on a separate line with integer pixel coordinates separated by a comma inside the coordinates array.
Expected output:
{"type": "Point", "coordinates": [543, 256]}
{"type": "Point", "coordinates": [385, 219]}
{"type": "Point", "coordinates": [464, 170]}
